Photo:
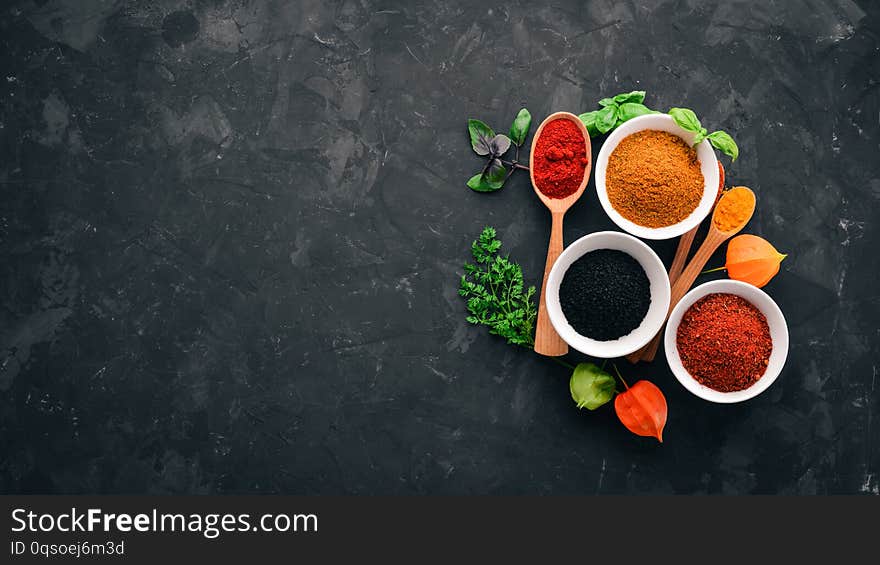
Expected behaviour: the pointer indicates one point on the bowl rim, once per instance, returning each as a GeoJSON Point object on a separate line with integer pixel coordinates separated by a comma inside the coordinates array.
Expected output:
{"type": "Point", "coordinates": [657, 310]}
{"type": "Point", "coordinates": [704, 152]}
{"type": "Point", "coordinates": [775, 320]}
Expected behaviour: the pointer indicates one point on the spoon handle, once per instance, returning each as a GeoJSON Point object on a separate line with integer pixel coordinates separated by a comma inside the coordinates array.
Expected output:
{"type": "Point", "coordinates": [686, 280]}
{"type": "Point", "coordinates": [547, 341]}
{"type": "Point", "coordinates": [714, 239]}
{"type": "Point", "coordinates": [681, 254]}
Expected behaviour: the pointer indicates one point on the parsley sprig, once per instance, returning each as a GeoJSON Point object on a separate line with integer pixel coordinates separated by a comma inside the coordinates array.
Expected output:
{"type": "Point", "coordinates": [495, 293]}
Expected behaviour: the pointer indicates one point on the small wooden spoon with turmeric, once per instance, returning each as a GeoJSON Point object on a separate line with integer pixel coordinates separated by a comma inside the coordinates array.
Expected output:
{"type": "Point", "coordinates": [732, 213]}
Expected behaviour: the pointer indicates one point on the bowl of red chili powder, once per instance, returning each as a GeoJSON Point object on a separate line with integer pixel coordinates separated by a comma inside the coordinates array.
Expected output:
{"type": "Point", "coordinates": [726, 341]}
{"type": "Point", "coordinates": [651, 180]}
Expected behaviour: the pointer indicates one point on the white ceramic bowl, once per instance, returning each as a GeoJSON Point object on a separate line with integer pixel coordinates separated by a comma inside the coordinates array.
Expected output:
{"type": "Point", "coordinates": [657, 310]}
{"type": "Point", "coordinates": [708, 166]}
{"type": "Point", "coordinates": [778, 333]}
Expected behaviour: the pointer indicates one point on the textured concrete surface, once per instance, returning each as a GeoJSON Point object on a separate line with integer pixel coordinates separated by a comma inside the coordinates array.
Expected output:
{"type": "Point", "coordinates": [231, 232]}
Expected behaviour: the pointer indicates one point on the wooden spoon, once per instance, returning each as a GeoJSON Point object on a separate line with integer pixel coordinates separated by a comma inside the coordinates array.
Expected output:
{"type": "Point", "coordinates": [685, 242]}
{"type": "Point", "coordinates": [681, 255]}
{"type": "Point", "coordinates": [713, 240]}
{"type": "Point", "coordinates": [547, 341]}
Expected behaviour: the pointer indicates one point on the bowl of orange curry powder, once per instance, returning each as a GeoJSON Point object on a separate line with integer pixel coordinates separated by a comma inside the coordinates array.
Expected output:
{"type": "Point", "coordinates": [652, 181]}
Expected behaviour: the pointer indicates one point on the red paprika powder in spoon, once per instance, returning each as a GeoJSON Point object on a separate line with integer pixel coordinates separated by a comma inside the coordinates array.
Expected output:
{"type": "Point", "coordinates": [560, 159]}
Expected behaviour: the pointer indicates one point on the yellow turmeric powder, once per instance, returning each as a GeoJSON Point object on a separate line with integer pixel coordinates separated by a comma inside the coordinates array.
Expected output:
{"type": "Point", "coordinates": [734, 209]}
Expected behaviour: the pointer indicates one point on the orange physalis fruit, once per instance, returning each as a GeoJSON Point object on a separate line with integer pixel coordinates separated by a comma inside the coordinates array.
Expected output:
{"type": "Point", "coordinates": [642, 409]}
{"type": "Point", "coordinates": [752, 259]}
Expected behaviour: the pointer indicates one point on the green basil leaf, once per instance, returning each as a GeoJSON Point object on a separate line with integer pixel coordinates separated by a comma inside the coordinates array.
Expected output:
{"type": "Point", "coordinates": [630, 110]}
{"type": "Point", "coordinates": [481, 135]}
{"type": "Point", "coordinates": [589, 120]}
{"type": "Point", "coordinates": [685, 118]}
{"type": "Point", "coordinates": [606, 102]}
{"type": "Point", "coordinates": [499, 145]}
{"type": "Point", "coordinates": [701, 135]}
{"type": "Point", "coordinates": [636, 96]}
{"type": "Point", "coordinates": [722, 141]}
{"type": "Point", "coordinates": [519, 129]}
{"type": "Point", "coordinates": [590, 386]}
{"type": "Point", "coordinates": [606, 119]}
{"type": "Point", "coordinates": [478, 183]}
{"type": "Point", "coordinates": [496, 173]}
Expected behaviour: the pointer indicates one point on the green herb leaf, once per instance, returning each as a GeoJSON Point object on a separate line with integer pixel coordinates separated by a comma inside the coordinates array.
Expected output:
{"type": "Point", "coordinates": [722, 141]}
{"type": "Point", "coordinates": [606, 102]}
{"type": "Point", "coordinates": [481, 136]}
{"type": "Point", "coordinates": [490, 179]}
{"type": "Point", "coordinates": [495, 294]}
{"type": "Point", "coordinates": [589, 120]}
{"type": "Point", "coordinates": [606, 119]}
{"type": "Point", "coordinates": [636, 96]}
{"type": "Point", "coordinates": [685, 118]}
{"type": "Point", "coordinates": [480, 183]}
{"type": "Point", "coordinates": [590, 386]}
{"type": "Point", "coordinates": [499, 145]}
{"type": "Point", "coordinates": [496, 173]}
{"type": "Point", "coordinates": [519, 129]}
{"type": "Point", "coordinates": [700, 136]}
{"type": "Point", "coordinates": [630, 110]}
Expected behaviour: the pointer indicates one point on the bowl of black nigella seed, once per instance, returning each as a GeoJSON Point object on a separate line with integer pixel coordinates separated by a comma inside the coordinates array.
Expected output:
{"type": "Point", "coordinates": [608, 294]}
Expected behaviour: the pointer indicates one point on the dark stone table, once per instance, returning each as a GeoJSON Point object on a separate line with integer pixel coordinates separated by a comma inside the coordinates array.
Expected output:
{"type": "Point", "coordinates": [231, 234]}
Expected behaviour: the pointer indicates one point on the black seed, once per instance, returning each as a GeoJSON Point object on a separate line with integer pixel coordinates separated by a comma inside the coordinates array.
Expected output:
{"type": "Point", "coordinates": [605, 294]}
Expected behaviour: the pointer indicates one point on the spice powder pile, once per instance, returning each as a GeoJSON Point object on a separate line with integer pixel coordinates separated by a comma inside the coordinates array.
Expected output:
{"type": "Point", "coordinates": [734, 209]}
{"type": "Point", "coordinates": [654, 179]}
{"type": "Point", "coordinates": [605, 294]}
{"type": "Point", "coordinates": [724, 342]}
{"type": "Point", "coordinates": [560, 159]}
